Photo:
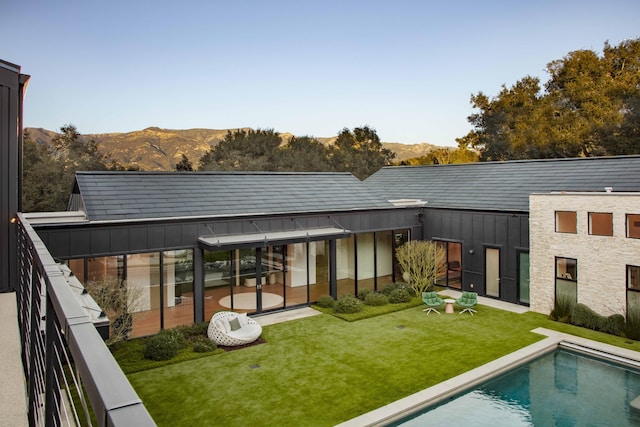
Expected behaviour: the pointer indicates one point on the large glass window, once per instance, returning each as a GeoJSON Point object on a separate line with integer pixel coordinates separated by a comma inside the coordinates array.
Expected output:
{"type": "Point", "coordinates": [384, 258]}
{"type": "Point", "coordinates": [633, 226]}
{"type": "Point", "coordinates": [345, 267]}
{"type": "Point", "coordinates": [566, 284]}
{"type": "Point", "coordinates": [143, 283]}
{"type": "Point", "coordinates": [449, 273]}
{"type": "Point", "coordinates": [566, 222]}
{"type": "Point", "coordinates": [633, 301]}
{"type": "Point", "coordinates": [401, 237]}
{"type": "Point", "coordinates": [217, 281]}
{"type": "Point", "coordinates": [178, 288]}
{"type": "Point", "coordinates": [366, 260]}
{"type": "Point", "coordinates": [523, 277]}
{"type": "Point", "coordinates": [601, 224]}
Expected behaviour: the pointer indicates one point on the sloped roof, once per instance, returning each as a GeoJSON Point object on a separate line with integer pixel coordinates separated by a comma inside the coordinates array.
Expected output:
{"type": "Point", "coordinates": [504, 185]}
{"type": "Point", "coordinates": [140, 195]}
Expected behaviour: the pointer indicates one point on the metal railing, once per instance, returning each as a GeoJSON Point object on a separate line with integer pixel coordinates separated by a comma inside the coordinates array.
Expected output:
{"type": "Point", "coordinates": [72, 378]}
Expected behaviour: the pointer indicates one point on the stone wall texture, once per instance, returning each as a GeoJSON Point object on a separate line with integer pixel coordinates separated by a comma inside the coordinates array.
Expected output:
{"type": "Point", "coordinates": [601, 260]}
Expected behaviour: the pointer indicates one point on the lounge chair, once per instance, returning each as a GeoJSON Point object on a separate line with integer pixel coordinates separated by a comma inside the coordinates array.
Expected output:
{"type": "Point", "coordinates": [230, 329]}
{"type": "Point", "coordinates": [468, 300]}
{"type": "Point", "coordinates": [431, 300]}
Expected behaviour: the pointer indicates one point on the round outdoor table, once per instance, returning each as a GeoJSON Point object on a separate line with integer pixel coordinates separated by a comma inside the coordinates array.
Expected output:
{"type": "Point", "coordinates": [449, 307]}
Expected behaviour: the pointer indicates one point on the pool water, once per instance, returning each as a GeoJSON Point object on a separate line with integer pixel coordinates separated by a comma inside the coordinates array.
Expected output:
{"type": "Point", "coordinates": [562, 388]}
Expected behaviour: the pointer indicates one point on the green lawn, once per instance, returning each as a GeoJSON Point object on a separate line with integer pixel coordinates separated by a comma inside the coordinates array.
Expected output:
{"type": "Point", "coordinates": [321, 370]}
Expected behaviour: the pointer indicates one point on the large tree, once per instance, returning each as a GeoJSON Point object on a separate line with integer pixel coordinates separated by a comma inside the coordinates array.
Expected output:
{"type": "Point", "coordinates": [244, 150]}
{"type": "Point", "coordinates": [360, 152]}
{"type": "Point", "coordinates": [589, 107]}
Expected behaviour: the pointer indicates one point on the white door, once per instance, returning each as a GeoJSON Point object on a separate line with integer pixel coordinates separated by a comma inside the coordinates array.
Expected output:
{"type": "Point", "coordinates": [492, 272]}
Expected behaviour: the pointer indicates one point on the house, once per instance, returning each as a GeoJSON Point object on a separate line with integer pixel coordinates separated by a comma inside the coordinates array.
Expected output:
{"type": "Point", "coordinates": [189, 244]}
{"type": "Point", "coordinates": [481, 214]}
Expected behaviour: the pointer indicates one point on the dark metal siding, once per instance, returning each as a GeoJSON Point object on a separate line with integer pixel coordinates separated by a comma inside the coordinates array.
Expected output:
{"type": "Point", "coordinates": [477, 230]}
{"type": "Point", "coordinates": [92, 240]}
{"type": "Point", "coordinates": [11, 89]}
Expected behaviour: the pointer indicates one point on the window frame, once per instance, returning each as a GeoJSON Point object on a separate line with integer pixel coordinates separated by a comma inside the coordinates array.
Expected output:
{"type": "Point", "coordinates": [602, 214]}
{"type": "Point", "coordinates": [557, 223]}
{"type": "Point", "coordinates": [627, 221]}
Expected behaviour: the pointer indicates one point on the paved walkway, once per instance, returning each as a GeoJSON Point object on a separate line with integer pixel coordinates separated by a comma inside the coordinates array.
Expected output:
{"type": "Point", "coordinates": [13, 402]}
{"type": "Point", "coordinates": [490, 302]}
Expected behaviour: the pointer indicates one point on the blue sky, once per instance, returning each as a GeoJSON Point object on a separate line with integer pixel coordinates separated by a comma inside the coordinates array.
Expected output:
{"type": "Point", "coordinates": [405, 68]}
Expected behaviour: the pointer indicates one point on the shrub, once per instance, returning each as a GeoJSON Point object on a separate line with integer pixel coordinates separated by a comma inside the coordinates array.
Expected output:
{"type": "Point", "coordinates": [362, 294]}
{"type": "Point", "coordinates": [348, 304]}
{"type": "Point", "coordinates": [203, 345]}
{"type": "Point", "coordinates": [399, 295]}
{"type": "Point", "coordinates": [585, 317]}
{"type": "Point", "coordinates": [387, 290]}
{"type": "Point", "coordinates": [326, 301]}
{"type": "Point", "coordinates": [376, 298]}
{"type": "Point", "coordinates": [165, 345]}
{"type": "Point", "coordinates": [194, 331]}
{"type": "Point", "coordinates": [614, 325]}
{"type": "Point", "coordinates": [632, 325]}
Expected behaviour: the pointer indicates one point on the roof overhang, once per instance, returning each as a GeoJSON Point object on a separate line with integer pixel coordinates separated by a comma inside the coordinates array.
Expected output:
{"type": "Point", "coordinates": [238, 241]}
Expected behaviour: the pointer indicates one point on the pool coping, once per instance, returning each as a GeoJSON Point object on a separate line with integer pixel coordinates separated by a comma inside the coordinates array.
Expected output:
{"type": "Point", "coordinates": [449, 388]}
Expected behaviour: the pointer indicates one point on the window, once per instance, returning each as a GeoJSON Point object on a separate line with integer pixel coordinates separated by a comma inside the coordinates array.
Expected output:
{"type": "Point", "coordinates": [565, 222]}
{"type": "Point", "coordinates": [601, 224]}
{"type": "Point", "coordinates": [633, 302]}
{"type": "Point", "coordinates": [566, 286]}
{"type": "Point", "coordinates": [633, 226]}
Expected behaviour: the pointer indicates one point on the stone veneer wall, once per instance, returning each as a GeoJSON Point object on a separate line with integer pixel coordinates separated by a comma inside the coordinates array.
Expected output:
{"type": "Point", "coordinates": [601, 260]}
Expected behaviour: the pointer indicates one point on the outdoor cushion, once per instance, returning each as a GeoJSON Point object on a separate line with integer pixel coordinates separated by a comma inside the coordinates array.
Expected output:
{"type": "Point", "coordinates": [234, 323]}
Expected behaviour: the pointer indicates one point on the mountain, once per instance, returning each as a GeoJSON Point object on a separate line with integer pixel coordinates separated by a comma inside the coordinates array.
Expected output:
{"type": "Point", "coordinates": [156, 149]}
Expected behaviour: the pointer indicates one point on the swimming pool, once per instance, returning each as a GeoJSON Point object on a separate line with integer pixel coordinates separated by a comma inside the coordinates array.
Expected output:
{"type": "Point", "coordinates": [561, 388]}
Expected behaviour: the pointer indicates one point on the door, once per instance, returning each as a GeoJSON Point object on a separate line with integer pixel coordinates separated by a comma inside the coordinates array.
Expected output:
{"type": "Point", "coordinates": [523, 277]}
{"type": "Point", "coordinates": [492, 272]}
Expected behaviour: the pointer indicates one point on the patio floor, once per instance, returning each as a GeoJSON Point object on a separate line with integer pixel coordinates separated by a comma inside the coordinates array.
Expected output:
{"type": "Point", "coordinates": [13, 402]}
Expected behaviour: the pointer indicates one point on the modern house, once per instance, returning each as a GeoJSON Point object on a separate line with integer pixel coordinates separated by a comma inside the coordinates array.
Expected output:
{"type": "Point", "coordinates": [190, 244]}
{"type": "Point", "coordinates": [481, 213]}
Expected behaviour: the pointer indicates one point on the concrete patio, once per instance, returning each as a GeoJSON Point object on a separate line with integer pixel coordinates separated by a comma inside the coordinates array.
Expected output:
{"type": "Point", "coordinates": [13, 402]}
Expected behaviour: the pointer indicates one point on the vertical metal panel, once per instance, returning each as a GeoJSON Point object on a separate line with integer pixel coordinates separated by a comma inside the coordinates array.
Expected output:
{"type": "Point", "coordinates": [12, 85]}
{"type": "Point", "coordinates": [100, 241]}
{"type": "Point", "coordinates": [156, 236]}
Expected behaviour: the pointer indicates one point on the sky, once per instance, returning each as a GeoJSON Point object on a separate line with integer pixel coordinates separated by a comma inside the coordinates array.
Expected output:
{"type": "Point", "coordinates": [405, 68]}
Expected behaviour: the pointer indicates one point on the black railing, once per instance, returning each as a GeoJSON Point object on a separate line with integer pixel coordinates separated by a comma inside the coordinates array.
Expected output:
{"type": "Point", "coordinates": [72, 378]}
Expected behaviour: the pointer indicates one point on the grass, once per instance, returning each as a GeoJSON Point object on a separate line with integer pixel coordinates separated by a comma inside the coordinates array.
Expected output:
{"type": "Point", "coordinates": [321, 370]}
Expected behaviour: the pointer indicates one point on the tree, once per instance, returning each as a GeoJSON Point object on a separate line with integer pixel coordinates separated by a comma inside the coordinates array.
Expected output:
{"type": "Point", "coordinates": [444, 156]}
{"type": "Point", "coordinates": [304, 154]}
{"type": "Point", "coordinates": [421, 262]}
{"type": "Point", "coordinates": [244, 150]}
{"type": "Point", "coordinates": [41, 181]}
{"type": "Point", "coordinates": [360, 152]}
{"type": "Point", "coordinates": [49, 171]}
{"type": "Point", "coordinates": [184, 164]}
{"type": "Point", "coordinates": [590, 107]}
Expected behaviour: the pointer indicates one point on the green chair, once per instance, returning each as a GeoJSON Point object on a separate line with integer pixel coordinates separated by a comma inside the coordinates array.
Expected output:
{"type": "Point", "coordinates": [468, 300]}
{"type": "Point", "coordinates": [431, 300]}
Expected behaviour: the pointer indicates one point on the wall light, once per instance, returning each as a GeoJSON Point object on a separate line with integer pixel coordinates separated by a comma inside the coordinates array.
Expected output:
{"type": "Point", "coordinates": [471, 251]}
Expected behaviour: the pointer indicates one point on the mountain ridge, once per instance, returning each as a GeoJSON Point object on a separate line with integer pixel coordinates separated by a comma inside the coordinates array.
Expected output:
{"type": "Point", "coordinates": [159, 149]}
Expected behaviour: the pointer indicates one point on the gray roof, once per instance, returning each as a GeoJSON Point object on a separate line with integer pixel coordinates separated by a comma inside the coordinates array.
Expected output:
{"type": "Point", "coordinates": [140, 195]}
{"type": "Point", "coordinates": [504, 185]}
